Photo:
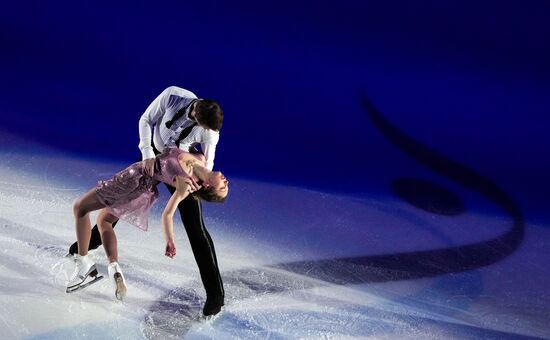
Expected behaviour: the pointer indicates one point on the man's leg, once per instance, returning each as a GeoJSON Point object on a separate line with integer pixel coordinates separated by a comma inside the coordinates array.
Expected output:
{"type": "Point", "coordinates": [203, 249]}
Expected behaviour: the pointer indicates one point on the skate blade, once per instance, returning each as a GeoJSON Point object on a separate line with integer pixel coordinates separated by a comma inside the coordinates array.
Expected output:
{"type": "Point", "coordinates": [120, 292]}
{"type": "Point", "coordinates": [84, 285]}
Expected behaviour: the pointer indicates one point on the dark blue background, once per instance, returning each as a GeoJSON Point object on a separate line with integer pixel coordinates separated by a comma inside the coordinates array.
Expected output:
{"type": "Point", "coordinates": [468, 78]}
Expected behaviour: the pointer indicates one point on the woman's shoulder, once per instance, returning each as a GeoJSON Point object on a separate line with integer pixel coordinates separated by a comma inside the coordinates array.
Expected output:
{"type": "Point", "coordinates": [187, 156]}
{"type": "Point", "coordinates": [199, 156]}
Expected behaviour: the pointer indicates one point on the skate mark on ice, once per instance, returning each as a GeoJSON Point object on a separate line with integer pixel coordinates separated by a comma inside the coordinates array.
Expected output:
{"type": "Point", "coordinates": [429, 263]}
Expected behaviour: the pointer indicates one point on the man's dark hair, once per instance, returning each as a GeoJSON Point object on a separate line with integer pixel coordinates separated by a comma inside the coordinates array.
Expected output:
{"type": "Point", "coordinates": [209, 195]}
{"type": "Point", "coordinates": [209, 114]}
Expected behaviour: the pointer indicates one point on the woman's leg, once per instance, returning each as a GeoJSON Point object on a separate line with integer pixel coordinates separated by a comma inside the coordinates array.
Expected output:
{"type": "Point", "coordinates": [105, 222]}
{"type": "Point", "coordinates": [82, 208]}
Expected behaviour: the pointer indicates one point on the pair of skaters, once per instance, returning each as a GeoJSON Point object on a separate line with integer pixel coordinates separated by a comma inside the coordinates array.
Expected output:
{"type": "Point", "coordinates": [180, 122]}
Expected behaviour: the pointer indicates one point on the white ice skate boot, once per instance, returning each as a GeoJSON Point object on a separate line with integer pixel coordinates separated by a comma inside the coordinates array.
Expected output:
{"type": "Point", "coordinates": [85, 273]}
{"type": "Point", "coordinates": [117, 279]}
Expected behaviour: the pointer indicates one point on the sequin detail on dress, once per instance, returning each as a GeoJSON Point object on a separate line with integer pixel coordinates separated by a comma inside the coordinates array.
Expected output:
{"type": "Point", "coordinates": [131, 193]}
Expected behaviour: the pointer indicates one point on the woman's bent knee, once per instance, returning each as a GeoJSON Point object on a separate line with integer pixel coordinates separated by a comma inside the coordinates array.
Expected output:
{"type": "Point", "coordinates": [78, 209]}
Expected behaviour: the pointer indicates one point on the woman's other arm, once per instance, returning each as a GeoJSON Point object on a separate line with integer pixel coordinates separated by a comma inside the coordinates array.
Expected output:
{"type": "Point", "coordinates": [184, 186]}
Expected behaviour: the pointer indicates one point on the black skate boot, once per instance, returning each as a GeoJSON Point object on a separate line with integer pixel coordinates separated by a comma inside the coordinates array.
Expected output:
{"type": "Point", "coordinates": [213, 305]}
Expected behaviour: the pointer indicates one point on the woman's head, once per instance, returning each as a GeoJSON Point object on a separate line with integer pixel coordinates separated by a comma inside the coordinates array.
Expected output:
{"type": "Point", "coordinates": [214, 189]}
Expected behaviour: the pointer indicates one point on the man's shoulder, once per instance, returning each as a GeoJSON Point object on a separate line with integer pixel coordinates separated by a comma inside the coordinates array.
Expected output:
{"type": "Point", "coordinates": [179, 91]}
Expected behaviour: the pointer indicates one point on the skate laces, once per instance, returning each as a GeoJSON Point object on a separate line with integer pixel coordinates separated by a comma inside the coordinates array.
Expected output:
{"type": "Point", "coordinates": [80, 262]}
{"type": "Point", "coordinates": [76, 270]}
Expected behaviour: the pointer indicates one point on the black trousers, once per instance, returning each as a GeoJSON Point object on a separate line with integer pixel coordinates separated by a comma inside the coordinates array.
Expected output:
{"type": "Point", "coordinates": [201, 243]}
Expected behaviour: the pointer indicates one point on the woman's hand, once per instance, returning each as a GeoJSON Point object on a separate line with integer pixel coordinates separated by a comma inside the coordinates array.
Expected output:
{"type": "Point", "coordinates": [170, 249]}
{"type": "Point", "coordinates": [186, 185]}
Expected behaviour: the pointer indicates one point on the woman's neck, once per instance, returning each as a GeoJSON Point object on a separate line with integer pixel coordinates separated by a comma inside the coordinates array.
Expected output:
{"type": "Point", "coordinates": [193, 166]}
{"type": "Point", "coordinates": [200, 171]}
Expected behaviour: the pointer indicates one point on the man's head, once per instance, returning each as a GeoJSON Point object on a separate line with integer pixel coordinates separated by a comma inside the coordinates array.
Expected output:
{"type": "Point", "coordinates": [209, 114]}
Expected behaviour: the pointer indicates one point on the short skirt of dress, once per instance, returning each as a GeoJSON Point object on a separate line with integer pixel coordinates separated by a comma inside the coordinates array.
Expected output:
{"type": "Point", "coordinates": [129, 195]}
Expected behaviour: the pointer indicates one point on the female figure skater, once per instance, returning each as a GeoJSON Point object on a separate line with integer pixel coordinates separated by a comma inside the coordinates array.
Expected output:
{"type": "Point", "coordinates": [129, 195]}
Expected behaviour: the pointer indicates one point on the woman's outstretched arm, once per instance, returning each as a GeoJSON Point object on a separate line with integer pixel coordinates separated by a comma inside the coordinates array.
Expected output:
{"type": "Point", "coordinates": [184, 186]}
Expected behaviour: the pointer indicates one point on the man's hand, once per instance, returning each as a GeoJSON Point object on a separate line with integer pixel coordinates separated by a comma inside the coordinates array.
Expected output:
{"type": "Point", "coordinates": [170, 249]}
{"type": "Point", "coordinates": [149, 166]}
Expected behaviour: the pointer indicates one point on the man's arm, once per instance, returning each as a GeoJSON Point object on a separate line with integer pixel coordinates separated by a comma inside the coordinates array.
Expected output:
{"type": "Point", "coordinates": [149, 118]}
{"type": "Point", "coordinates": [209, 151]}
{"type": "Point", "coordinates": [208, 146]}
{"type": "Point", "coordinates": [208, 140]}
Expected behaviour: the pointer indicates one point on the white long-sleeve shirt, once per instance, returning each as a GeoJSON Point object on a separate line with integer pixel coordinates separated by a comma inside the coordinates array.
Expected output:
{"type": "Point", "coordinates": [161, 110]}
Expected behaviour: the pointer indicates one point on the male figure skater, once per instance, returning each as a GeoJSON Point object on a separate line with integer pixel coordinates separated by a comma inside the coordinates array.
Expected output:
{"type": "Point", "coordinates": [180, 119]}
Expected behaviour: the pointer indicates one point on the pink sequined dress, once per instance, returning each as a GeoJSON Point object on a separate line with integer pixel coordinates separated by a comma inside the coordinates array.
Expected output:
{"type": "Point", "coordinates": [131, 193]}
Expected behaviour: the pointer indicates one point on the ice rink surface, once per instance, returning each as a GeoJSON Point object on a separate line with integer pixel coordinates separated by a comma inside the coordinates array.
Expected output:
{"type": "Point", "coordinates": [296, 263]}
